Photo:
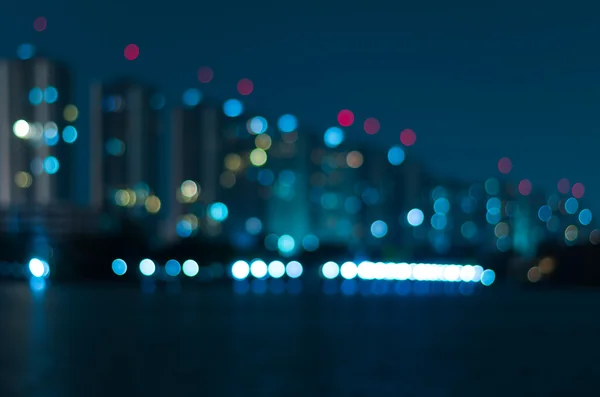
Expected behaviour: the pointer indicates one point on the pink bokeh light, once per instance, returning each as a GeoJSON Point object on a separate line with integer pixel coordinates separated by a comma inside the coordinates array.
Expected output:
{"type": "Point", "coordinates": [205, 74]}
{"type": "Point", "coordinates": [504, 165]}
{"type": "Point", "coordinates": [564, 186]}
{"type": "Point", "coordinates": [525, 187]}
{"type": "Point", "coordinates": [40, 24]}
{"type": "Point", "coordinates": [578, 190]}
{"type": "Point", "coordinates": [245, 87]}
{"type": "Point", "coordinates": [408, 137]}
{"type": "Point", "coordinates": [131, 52]}
{"type": "Point", "coordinates": [345, 118]}
{"type": "Point", "coordinates": [371, 126]}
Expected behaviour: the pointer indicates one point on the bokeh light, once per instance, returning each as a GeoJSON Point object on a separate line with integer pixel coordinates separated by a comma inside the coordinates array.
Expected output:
{"type": "Point", "coordinates": [257, 125]}
{"type": "Point", "coordinates": [40, 24]}
{"type": "Point", "coordinates": [233, 108]}
{"type": "Point", "coordinates": [379, 229]}
{"type": "Point", "coordinates": [333, 137]}
{"type": "Point", "coordinates": [564, 186]}
{"type": "Point", "coordinates": [218, 212]}
{"type": "Point", "coordinates": [345, 118]}
{"type": "Point", "coordinates": [245, 86]}
{"type": "Point", "coordinates": [504, 165]}
{"type": "Point", "coordinates": [131, 52]}
{"type": "Point", "coordinates": [396, 155]}
{"type": "Point", "coordinates": [525, 187]}
{"type": "Point", "coordinates": [192, 97]}
{"type": "Point", "coordinates": [190, 268]}
{"type": "Point", "coordinates": [25, 51]}
{"type": "Point", "coordinates": [408, 137]}
{"type": "Point", "coordinates": [69, 134]}
{"type": "Point", "coordinates": [205, 74]}
{"type": "Point", "coordinates": [585, 217]}
{"type": "Point", "coordinates": [578, 190]}
{"type": "Point", "coordinates": [371, 126]}
{"type": "Point", "coordinates": [258, 157]}
{"type": "Point", "coordinates": [119, 267]}
{"type": "Point", "coordinates": [415, 217]}
{"type": "Point", "coordinates": [287, 123]}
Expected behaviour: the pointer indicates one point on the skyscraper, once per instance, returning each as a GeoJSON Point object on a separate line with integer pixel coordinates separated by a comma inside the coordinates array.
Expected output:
{"type": "Point", "coordinates": [124, 146]}
{"type": "Point", "coordinates": [36, 151]}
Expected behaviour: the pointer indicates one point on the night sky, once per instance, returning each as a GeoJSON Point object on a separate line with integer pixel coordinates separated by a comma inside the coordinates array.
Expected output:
{"type": "Point", "coordinates": [475, 82]}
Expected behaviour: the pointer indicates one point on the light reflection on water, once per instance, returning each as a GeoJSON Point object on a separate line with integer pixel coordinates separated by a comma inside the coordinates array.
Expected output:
{"type": "Point", "coordinates": [266, 338]}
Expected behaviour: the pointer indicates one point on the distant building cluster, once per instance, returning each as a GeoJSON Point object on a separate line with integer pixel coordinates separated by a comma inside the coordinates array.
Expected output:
{"type": "Point", "coordinates": [214, 169]}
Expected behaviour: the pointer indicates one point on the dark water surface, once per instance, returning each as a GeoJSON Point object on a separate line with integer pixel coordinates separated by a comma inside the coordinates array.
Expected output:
{"type": "Point", "coordinates": [116, 341]}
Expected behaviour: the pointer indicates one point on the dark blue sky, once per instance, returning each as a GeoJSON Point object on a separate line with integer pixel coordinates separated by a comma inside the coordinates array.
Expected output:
{"type": "Point", "coordinates": [475, 81]}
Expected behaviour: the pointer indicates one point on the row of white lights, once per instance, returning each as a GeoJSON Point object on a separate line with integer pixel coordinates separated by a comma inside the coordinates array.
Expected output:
{"type": "Point", "coordinates": [259, 269]}
{"type": "Point", "coordinates": [408, 271]}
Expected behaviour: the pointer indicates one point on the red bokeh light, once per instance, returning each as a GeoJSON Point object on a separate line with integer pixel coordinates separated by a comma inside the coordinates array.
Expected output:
{"type": "Point", "coordinates": [525, 187]}
{"type": "Point", "coordinates": [578, 190]}
{"type": "Point", "coordinates": [245, 87]}
{"type": "Point", "coordinates": [505, 165]}
{"type": "Point", "coordinates": [131, 52]}
{"type": "Point", "coordinates": [205, 74]}
{"type": "Point", "coordinates": [564, 186]}
{"type": "Point", "coordinates": [345, 118]}
{"type": "Point", "coordinates": [40, 24]}
{"type": "Point", "coordinates": [371, 126]}
{"type": "Point", "coordinates": [408, 137]}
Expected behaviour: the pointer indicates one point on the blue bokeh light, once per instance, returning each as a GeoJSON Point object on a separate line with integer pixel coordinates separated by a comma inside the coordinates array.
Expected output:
{"type": "Point", "coordinates": [258, 125]}
{"type": "Point", "coordinates": [25, 51]}
{"type": "Point", "coordinates": [36, 96]}
{"type": "Point", "coordinates": [51, 165]}
{"type": "Point", "coordinates": [119, 267]}
{"type": "Point", "coordinates": [184, 228]}
{"type": "Point", "coordinates": [233, 108]}
{"type": "Point", "coordinates": [50, 95]}
{"type": "Point", "coordinates": [545, 213]}
{"type": "Point", "coordinates": [441, 205]}
{"type": "Point", "coordinates": [157, 101]}
{"type": "Point", "coordinates": [253, 226]}
{"type": "Point", "coordinates": [379, 229]}
{"type": "Point", "coordinates": [192, 97]}
{"type": "Point", "coordinates": [415, 217]}
{"type": "Point", "coordinates": [333, 137]}
{"type": "Point", "coordinates": [286, 244]}
{"type": "Point", "coordinates": [69, 134]}
{"type": "Point", "coordinates": [571, 205]}
{"type": "Point", "coordinates": [172, 268]}
{"type": "Point", "coordinates": [218, 212]}
{"type": "Point", "coordinates": [585, 217]}
{"type": "Point", "coordinates": [396, 155]}
{"type": "Point", "coordinates": [287, 123]}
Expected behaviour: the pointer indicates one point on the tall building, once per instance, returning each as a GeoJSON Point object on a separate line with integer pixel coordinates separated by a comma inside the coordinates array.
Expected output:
{"type": "Point", "coordinates": [125, 138]}
{"type": "Point", "coordinates": [36, 139]}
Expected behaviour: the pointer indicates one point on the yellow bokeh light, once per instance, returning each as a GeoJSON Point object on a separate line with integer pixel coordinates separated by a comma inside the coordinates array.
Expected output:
{"type": "Point", "coordinates": [501, 229]}
{"type": "Point", "coordinates": [227, 179]}
{"type": "Point", "coordinates": [132, 197]}
{"type": "Point", "coordinates": [23, 179]}
{"type": "Point", "coordinates": [571, 233]}
{"type": "Point", "coordinates": [152, 204]}
{"type": "Point", "coordinates": [192, 219]}
{"type": "Point", "coordinates": [354, 159]}
{"type": "Point", "coordinates": [233, 162]}
{"type": "Point", "coordinates": [263, 141]}
{"type": "Point", "coordinates": [534, 275]}
{"type": "Point", "coordinates": [71, 113]}
{"type": "Point", "coordinates": [258, 157]}
{"type": "Point", "coordinates": [122, 198]}
{"type": "Point", "coordinates": [547, 265]}
{"type": "Point", "coordinates": [189, 189]}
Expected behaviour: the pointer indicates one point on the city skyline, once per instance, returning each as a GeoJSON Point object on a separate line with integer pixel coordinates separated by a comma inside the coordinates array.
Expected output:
{"type": "Point", "coordinates": [473, 103]}
{"type": "Point", "coordinates": [304, 184]}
